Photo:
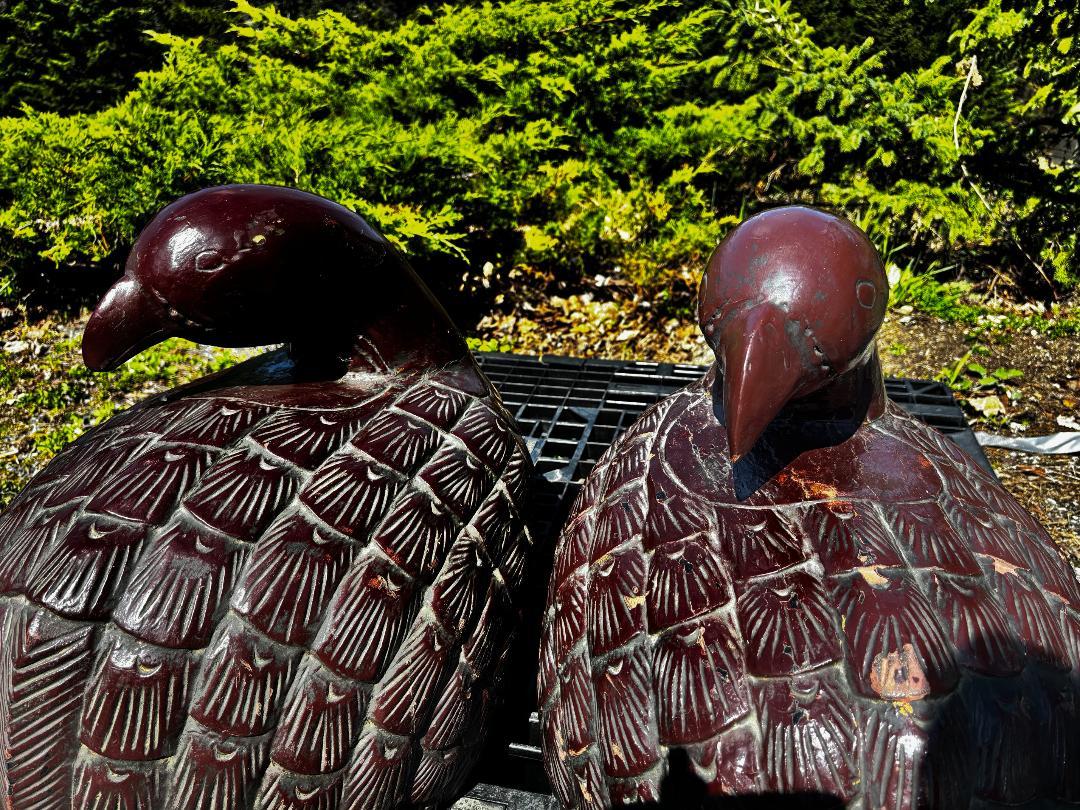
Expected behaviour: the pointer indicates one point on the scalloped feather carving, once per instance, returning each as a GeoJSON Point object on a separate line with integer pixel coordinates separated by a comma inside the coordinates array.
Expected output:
{"type": "Point", "coordinates": [673, 514]}
{"type": "Point", "coordinates": [699, 668]}
{"type": "Point", "coordinates": [616, 605]}
{"type": "Point", "coordinates": [852, 536]}
{"type": "Point", "coordinates": [307, 439]}
{"type": "Point", "coordinates": [351, 493]}
{"type": "Point", "coordinates": [100, 784]}
{"type": "Point", "coordinates": [628, 466]}
{"type": "Point", "coordinates": [293, 573]}
{"type": "Point", "coordinates": [403, 699]}
{"type": "Point", "coordinates": [83, 572]}
{"type": "Point", "coordinates": [283, 790]}
{"type": "Point", "coordinates": [977, 625]}
{"type": "Point", "coordinates": [459, 587]}
{"type": "Point", "coordinates": [213, 773]}
{"type": "Point", "coordinates": [898, 650]}
{"type": "Point", "coordinates": [619, 521]}
{"type": "Point", "coordinates": [398, 442]}
{"type": "Point", "coordinates": [95, 468]}
{"type": "Point", "coordinates": [625, 713]}
{"type": "Point", "coordinates": [573, 710]}
{"type": "Point", "coordinates": [458, 479]}
{"type": "Point", "coordinates": [136, 700]}
{"type": "Point", "coordinates": [759, 542]}
{"type": "Point", "coordinates": [29, 544]}
{"type": "Point", "coordinates": [809, 731]}
{"type": "Point", "coordinates": [485, 435]}
{"type": "Point", "coordinates": [1037, 622]}
{"type": "Point", "coordinates": [147, 488]}
{"type": "Point", "coordinates": [241, 493]}
{"type": "Point", "coordinates": [983, 533]}
{"type": "Point", "coordinates": [789, 625]}
{"type": "Point", "coordinates": [437, 404]}
{"type": "Point", "coordinates": [244, 681]}
{"type": "Point", "coordinates": [439, 773]}
{"type": "Point", "coordinates": [456, 706]}
{"type": "Point", "coordinates": [320, 721]}
{"type": "Point", "coordinates": [44, 665]}
{"type": "Point", "coordinates": [570, 602]}
{"type": "Point", "coordinates": [382, 780]}
{"type": "Point", "coordinates": [929, 540]}
{"type": "Point", "coordinates": [216, 423]}
{"type": "Point", "coordinates": [178, 587]}
{"type": "Point", "coordinates": [200, 694]}
{"type": "Point", "coordinates": [573, 548]}
{"type": "Point", "coordinates": [366, 620]}
{"type": "Point", "coordinates": [686, 579]}
{"type": "Point", "coordinates": [416, 533]}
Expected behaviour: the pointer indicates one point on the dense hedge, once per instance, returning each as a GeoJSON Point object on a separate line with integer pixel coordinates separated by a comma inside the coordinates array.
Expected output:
{"type": "Point", "coordinates": [81, 55]}
{"type": "Point", "coordinates": [613, 136]}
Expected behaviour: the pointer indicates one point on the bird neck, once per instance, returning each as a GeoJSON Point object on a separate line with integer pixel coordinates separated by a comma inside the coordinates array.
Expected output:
{"type": "Point", "coordinates": [355, 333]}
{"type": "Point", "coordinates": [857, 395]}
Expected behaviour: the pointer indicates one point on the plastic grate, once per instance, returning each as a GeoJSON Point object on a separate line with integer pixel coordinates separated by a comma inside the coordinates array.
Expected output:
{"type": "Point", "coordinates": [569, 411]}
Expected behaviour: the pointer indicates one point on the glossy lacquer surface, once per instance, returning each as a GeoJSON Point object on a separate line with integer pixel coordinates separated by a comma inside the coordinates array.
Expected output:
{"type": "Point", "coordinates": [290, 585]}
{"type": "Point", "coordinates": [851, 613]}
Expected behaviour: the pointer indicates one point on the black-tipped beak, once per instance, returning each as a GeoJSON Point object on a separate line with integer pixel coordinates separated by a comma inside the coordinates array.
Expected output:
{"type": "Point", "coordinates": [127, 320]}
{"type": "Point", "coordinates": [762, 370]}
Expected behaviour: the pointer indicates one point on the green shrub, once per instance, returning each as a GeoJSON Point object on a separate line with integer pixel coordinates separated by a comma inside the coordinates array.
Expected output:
{"type": "Point", "coordinates": [81, 55]}
{"type": "Point", "coordinates": [580, 136]}
{"type": "Point", "coordinates": [910, 33]}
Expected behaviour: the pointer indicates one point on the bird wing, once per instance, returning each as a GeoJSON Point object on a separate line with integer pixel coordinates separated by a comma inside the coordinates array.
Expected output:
{"type": "Point", "coordinates": [212, 602]}
{"type": "Point", "coordinates": [847, 646]}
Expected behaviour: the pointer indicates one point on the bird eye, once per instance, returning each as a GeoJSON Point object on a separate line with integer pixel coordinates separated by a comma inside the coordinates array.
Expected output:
{"type": "Point", "coordinates": [208, 261]}
{"type": "Point", "coordinates": [866, 293]}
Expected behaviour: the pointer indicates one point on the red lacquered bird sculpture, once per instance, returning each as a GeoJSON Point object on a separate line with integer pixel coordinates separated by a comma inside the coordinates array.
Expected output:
{"type": "Point", "coordinates": [776, 582]}
{"type": "Point", "coordinates": [287, 585]}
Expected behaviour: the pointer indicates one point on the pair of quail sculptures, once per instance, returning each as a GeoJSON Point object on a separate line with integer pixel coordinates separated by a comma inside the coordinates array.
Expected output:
{"type": "Point", "coordinates": [294, 584]}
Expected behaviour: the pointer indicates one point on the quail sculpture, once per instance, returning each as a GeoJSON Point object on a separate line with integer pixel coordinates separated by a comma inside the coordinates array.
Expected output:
{"type": "Point", "coordinates": [289, 584]}
{"type": "Point", "coordinates": [778, 583]}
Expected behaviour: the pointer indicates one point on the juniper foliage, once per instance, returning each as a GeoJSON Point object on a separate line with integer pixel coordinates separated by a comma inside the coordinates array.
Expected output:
{"type": "Point", "coordinates": [621, 137]}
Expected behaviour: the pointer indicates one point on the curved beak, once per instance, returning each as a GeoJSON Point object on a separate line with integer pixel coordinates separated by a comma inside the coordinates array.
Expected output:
{"type": "Point", "coordinates": [127, 320]}
{"type": "Point", "coordinates": [762, 370]}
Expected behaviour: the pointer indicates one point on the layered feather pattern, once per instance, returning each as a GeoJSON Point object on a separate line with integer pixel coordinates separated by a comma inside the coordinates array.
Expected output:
{"type": "Point", "coordinates": [217, 603]}
{"type": "Point", "coordinates": [911, 646]}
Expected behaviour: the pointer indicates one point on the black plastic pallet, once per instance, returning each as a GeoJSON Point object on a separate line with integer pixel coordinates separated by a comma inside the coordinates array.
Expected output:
{"type": "Point", "coordinates": [570, 410]}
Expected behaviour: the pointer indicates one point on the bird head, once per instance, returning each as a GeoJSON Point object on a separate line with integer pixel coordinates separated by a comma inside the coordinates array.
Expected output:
{"type": "Point", "coordinates": [249, 265]}
{"type": "Point", "coordinates": [790, 301]}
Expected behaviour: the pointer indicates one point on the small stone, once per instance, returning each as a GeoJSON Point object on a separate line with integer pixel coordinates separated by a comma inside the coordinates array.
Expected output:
{"type": "Point", "coordinates": [16, 346]}
{"type": "Point", "coordinates": [1068, 422]}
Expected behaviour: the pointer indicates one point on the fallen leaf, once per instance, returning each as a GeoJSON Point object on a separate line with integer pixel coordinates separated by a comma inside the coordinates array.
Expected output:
{"type": "Point", "coordinates": [1068, 422]}
{"type": "Point", "coordinates": [1030, 470]}
{"type": "Point", "coordinates": [988, 406]}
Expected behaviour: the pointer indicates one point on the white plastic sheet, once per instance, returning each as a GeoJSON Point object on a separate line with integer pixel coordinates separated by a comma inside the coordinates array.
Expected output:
{"type": "Point", "coordinates": [1056, 444]}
